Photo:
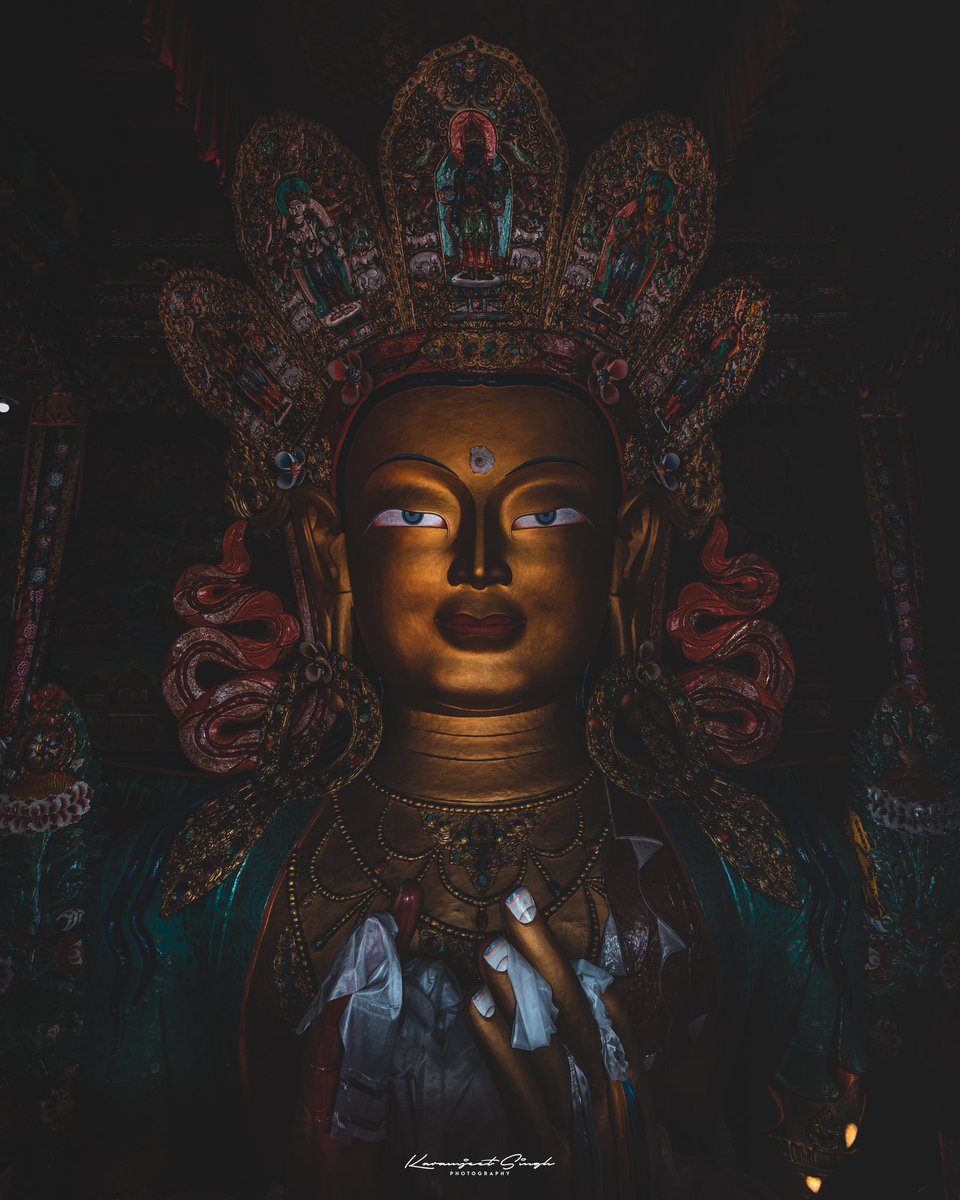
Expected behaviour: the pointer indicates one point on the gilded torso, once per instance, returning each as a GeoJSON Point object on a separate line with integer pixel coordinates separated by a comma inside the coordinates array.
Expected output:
{"type": "Point", "coordinates": [368, 841]}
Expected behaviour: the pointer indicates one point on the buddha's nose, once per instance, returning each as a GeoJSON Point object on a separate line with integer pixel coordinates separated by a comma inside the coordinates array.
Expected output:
{"type": "Point", "coordinates": [480, 558]}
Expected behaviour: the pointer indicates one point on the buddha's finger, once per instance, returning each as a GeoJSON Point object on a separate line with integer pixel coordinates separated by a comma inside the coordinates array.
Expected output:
{"type": "Point", "coordinates": [527, 929]}
{"type": "Point", "coordinates": [549, 1062]}
{"type": "Point", "coordinates": [494, 959]}
{"type": "Point", "coordinates": [512, 1073]}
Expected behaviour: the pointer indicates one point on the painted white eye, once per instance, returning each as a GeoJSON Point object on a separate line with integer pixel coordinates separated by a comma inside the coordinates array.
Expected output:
{"type": "Point", "coordinates": [556, 516]}
{"type": "Point", "coordinates": [409, 518]}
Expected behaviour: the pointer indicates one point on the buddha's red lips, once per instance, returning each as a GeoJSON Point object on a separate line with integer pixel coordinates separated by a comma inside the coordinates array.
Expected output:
{"type": "Point", "coordinates": [497, 625]}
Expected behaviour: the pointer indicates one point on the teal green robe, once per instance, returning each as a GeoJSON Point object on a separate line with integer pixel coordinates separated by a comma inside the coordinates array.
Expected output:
{"type": "Point", "coordinates": [163, 1055]}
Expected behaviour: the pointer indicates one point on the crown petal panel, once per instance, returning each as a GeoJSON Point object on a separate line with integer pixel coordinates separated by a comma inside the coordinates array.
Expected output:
{"type": "Point", "coordinates": [249, 372]}
{"type": "Point", "coordinates": [473, 167]}
{"type": "Point", "coordinates": [310, 229]}
{"type": "Point", "coordinates": [638, 231]}
{"type": "Point", "coordinates": [699, 369]}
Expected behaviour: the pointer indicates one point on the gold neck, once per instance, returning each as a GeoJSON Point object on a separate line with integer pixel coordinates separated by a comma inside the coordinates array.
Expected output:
{"type": "Point", "coordinates": [482, 760]}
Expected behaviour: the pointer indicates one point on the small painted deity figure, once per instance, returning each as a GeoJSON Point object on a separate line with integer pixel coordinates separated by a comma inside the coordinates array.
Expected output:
{"type": "Point", "coordinates": [705, 372]}
{"type": "Point", "coordinates": [243, 367]}
{"type": "Point", "coordinates": [637, 240]}
{"type": "Point", "coordinates": [475, 197]}
{"type": "Point", "coordinates": [313, 248]}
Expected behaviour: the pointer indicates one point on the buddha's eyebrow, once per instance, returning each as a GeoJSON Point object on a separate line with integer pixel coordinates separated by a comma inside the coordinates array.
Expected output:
{"type": "Point", "coordinates": [536, 462]}
{"type": "Point", "coordinates": [413, 458]}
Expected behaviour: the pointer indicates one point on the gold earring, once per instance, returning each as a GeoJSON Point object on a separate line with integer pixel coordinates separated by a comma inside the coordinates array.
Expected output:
{"type": "Point", "coordinates": [300, 721]}
{"type": "Point", "coordinates": [218, 836]}
{"type": "Point", "coordinates": [677, 744]}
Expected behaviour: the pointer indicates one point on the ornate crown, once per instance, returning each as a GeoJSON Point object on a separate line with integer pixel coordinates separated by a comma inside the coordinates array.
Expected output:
{"type": "Point", "coordinates": [472, 274]}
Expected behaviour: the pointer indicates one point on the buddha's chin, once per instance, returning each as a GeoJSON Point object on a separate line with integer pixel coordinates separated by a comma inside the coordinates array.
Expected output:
{"type": "Point", "coordinates": [472, 683]}
{"type": "Point", "coordinates": [450, 666]}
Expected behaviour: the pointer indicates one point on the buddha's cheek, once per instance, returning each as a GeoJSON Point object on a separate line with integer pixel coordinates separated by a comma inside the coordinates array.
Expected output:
{"type": "Point", "coordinates": [396, 590]}
{"type": "Point", "coordinates": [563, 592]}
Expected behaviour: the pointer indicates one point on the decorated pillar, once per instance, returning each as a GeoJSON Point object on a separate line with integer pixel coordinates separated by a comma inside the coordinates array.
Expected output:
{"type": "Point", "coordinates": [47, 838]}
{"type": "Point", "coordinates": [51, 475]}
{"type": "Point", "coordinates": [905, 824]}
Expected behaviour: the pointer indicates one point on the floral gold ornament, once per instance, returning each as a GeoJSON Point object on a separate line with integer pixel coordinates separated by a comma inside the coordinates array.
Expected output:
{"type": "Point", "coordinates": [290, 464]}
{"type": "Point", "coordinates": [349, 371]}
{"type": "Point", "coordinates": [648, 693]}
{"type": "Point", "coordinates": [606, 372]}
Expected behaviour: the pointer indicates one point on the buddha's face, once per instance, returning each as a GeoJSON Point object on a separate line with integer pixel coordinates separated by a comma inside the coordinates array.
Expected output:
{"type": "Point", "coordinates": [479, 530]}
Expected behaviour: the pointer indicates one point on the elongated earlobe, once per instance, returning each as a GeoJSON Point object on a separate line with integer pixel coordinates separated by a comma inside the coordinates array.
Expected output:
{"type": "Point", "coordinates": [639, 554]}
{"type": "Point", "coordinates": [325, 577]}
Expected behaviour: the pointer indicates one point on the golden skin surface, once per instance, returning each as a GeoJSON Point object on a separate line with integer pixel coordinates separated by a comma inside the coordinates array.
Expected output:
{"type": "Point", "coordinates": [472, 546]}
{"type": "Point", "coordinates": [472, 718]}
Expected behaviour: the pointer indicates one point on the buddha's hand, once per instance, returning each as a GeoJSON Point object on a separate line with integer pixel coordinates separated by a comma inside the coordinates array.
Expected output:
{"type": "Point", "coordinates": [560, 1095]}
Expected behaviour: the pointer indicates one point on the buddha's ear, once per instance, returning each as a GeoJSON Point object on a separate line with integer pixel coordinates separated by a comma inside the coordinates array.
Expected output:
{"type": "Point", "coordinates": [323, 561]}
{"type": "Point", "coordinates": [639, 555]}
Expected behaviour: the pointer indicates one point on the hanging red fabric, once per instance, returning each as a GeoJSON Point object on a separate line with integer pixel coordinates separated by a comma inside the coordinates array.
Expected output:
{"type": "Point", "coordinates": [203, 85]}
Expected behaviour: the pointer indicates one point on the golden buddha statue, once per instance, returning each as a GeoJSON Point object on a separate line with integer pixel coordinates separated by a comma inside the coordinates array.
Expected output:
{"type": "Point", "coordinates": [474, 892]}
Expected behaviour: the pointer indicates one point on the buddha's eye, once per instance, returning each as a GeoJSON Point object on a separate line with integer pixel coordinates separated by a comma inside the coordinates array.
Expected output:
{"type": "Point", "coordinates": [409, 517]}
{"type": "Point", "coordinates": [555, 516]}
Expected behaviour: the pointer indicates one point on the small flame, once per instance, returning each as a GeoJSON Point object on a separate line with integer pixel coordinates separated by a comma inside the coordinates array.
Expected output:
{"type": "Point", "coordinates": [814, 1183]}
{"type": "Point", "coordinates": [850, 1134]}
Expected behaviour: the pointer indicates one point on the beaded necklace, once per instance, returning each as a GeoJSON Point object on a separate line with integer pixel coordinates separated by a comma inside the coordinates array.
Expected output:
{"type": "Point", "coordinates": [481, 841]}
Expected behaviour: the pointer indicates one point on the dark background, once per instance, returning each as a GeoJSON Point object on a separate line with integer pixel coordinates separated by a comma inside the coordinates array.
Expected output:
{"type": "Point", "coordinates": [833, 128]}
{"type": "Point", "coordinates": [834, 131]}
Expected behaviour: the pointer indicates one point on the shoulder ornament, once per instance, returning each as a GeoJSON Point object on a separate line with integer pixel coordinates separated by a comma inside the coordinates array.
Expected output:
{"type": "Point", "coordinates": [213, 843]}
{"type": "Point", "coordinates": [216, 839]}
{"type": "Point", "coordinates": [751, 839]}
